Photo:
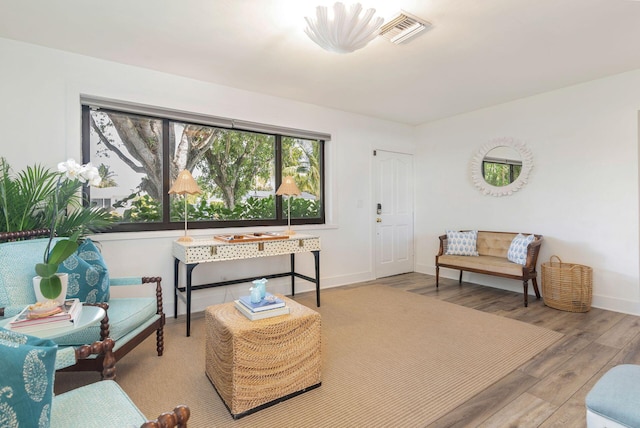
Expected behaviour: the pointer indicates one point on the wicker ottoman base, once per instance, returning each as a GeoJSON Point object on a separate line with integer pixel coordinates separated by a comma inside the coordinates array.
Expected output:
{"type": "Point", "coordinates": [255, 364]}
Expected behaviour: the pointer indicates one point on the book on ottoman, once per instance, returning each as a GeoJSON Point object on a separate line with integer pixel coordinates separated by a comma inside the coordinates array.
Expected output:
{"type": "Point", "coordinates": [282, 310]}
{"type": "Point", "coordinates": [268, 303]}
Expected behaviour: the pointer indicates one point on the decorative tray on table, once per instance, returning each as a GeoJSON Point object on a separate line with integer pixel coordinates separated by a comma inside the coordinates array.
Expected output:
{"type": "Point", "coordinates": [250, 237]}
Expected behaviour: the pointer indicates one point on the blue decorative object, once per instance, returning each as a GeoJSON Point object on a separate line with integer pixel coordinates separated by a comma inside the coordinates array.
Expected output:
{"type": "Point", "coordinates": [255, 295]}
{"type": "Point", "coordinates": [518, 249]}
{"type": "Point", "coordinates": [262, 286]}
{"type": "Point", "coordinates": [88, 274]}
{"type": "Point", "coordinates": [26, 389]}
{"type": "Point", "coordinates": [462, 243]}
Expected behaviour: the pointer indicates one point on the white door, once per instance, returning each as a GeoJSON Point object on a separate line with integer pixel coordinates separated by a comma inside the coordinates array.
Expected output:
{"type": "Point", "coordinates": [393, 206]}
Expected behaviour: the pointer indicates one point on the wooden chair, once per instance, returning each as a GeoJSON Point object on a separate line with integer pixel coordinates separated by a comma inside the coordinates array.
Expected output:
{"type": "Point", "coordinates": [100, 404]}
{"type": "Point", "coordinates": [128, 321]}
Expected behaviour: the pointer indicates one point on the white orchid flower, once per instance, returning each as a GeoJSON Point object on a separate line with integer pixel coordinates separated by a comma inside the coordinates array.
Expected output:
{"type": "Point", "coordinates": [90, 174]}
{"type": "Point", "coordinates": [71, 169]}
{"type": "Point", "coordinates": [86, 173]}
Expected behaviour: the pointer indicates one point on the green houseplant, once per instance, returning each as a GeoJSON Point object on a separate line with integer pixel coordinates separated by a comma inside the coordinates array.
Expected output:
{"type": "Point", "coordinates": [38, 198]}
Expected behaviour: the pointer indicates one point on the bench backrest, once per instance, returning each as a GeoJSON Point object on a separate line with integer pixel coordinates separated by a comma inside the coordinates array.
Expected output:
{"type": "Point", "coordinates": [494, 243]}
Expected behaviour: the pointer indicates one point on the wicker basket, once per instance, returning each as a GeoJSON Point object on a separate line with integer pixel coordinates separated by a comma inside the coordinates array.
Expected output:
{"type": "Point", "coordinates": [567, 286]}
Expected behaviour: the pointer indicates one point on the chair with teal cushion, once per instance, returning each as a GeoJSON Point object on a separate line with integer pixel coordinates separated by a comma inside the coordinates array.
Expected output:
{"type": "Point", "coordinates": [105, 404]}
{"type": "Point", "coordinates": [128, 321]}
{"type": "Point", "coordinates": [26, 389]}
{"type": "Point", "coordinates": [614, 401]}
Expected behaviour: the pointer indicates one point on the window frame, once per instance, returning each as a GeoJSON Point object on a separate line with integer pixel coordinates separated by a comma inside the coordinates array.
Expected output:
{"type": "Point", "coordinates": [243, 126]}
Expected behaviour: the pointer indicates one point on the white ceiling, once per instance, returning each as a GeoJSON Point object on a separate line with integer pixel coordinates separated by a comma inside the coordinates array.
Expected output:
{"type": "Point", "coordinates": [478, 52]}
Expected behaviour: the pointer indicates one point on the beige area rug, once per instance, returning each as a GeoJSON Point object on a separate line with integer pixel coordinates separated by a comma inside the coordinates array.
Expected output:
{"type": "Point", "coordinates": [390, 358]}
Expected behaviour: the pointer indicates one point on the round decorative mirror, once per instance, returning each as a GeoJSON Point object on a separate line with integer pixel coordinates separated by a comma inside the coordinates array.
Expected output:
{"type": "Point", "coordinates": [501, 167]}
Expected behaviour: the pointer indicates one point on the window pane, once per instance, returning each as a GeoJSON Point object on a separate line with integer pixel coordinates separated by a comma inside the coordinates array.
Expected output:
{"type": "Point", "coordinates": [127, 149]}
{"type": "Point", "coordinates": [301, 159]}
{"type": "Point", "coordinates": [140, 156]}
{"type": "Point", "coordinates": [234, 169]}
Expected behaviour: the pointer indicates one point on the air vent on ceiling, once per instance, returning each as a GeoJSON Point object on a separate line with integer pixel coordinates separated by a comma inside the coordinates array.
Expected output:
{"type": "Point", "coordinates": [403, 27]}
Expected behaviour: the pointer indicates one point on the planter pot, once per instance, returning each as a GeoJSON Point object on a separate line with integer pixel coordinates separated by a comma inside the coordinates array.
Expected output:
{"type": "Point", "coordinates": [64, 279]}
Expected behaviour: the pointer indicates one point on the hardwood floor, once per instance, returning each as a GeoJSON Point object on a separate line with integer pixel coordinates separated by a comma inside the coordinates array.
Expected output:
{"type": "Point", "coordinates": [549, 390]}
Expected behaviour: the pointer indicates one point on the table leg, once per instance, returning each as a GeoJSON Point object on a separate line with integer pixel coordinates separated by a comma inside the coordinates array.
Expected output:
{"type": "Point", "coordinates": [293, 278]}
{"type": "Point", "coordinates": [190, 268]}
{"type": "Point", "coordinates": [316, 256]}
{"type": "Point", "coordinates": [176, 264]}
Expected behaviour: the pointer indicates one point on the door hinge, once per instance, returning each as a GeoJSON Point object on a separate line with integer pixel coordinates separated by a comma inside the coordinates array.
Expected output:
{"type": "Point", "coordinates": [375, 153]}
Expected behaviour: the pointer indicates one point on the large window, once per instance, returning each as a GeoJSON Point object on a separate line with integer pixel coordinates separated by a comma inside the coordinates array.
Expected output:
{"type": "Point", "coordinates": [238, 170]}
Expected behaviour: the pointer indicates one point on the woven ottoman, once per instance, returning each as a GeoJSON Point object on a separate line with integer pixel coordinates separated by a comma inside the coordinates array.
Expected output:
{"type": "Point", "coordinates": [614, 401]}
{"type": "Point", "coordinates": [255, 364]}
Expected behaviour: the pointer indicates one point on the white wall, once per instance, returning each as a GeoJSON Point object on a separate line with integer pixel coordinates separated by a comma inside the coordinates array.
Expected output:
{"type": "Point", "coordinates": [40, 122]}
{"type": "Point", "coordinates": [582, 194]}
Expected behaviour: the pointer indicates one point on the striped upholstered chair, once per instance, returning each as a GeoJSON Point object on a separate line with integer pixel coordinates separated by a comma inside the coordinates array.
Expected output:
{"type": "Point", "coordinates": [128, 321]}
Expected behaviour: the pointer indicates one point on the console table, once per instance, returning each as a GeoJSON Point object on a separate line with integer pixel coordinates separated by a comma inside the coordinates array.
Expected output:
{"type": "Point", "coordinates": [191, 254]}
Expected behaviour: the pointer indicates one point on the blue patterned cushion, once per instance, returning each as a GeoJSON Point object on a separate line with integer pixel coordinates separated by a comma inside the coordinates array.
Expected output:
{"type": "Point", "coordinates": [518, 249]}
{"type": "Point", "coordinates": [88, 274]}
{"type": "Point", "coordinates": [17, 269]}
{"type": "Point", "coordinates": [26, 380]}
{"type": "Point", "coordinates": [462, 243]}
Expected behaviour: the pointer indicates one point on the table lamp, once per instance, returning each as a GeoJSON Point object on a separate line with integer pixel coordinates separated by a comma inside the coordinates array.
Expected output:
{"type": "Point", "coordinates": [288, 188]}
{"type": "Point", "coordinates": [185, 184]}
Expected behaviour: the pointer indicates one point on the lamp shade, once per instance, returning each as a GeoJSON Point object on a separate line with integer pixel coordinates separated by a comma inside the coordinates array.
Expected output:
{"type": "Point", "coordinates": [185, 184]}
{"type": "Point", "coordinates": [343, 31]}
{"type": "Point", "coordinates": [288, 187]}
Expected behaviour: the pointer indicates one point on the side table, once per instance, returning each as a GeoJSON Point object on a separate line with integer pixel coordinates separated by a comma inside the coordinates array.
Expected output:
{"type": "Point", "coordinates": [256, 364]}
{"type": "Point", "coordinates": [89, 316]}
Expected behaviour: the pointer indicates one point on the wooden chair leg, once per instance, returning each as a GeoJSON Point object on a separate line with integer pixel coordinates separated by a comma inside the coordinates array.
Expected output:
{"type": "Point", "coordinates": [460, 279]}
{"type": "Point", "coordinates": [525, 286]}
{"type": "Point", "coordinates": [437, 275]}
{"type": "Point", "coordinates": [160, 341]}
{"type": "Point", "coordinates": [534, 281]}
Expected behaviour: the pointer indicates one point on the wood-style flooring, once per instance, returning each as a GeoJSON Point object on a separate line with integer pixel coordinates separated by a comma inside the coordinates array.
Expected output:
{"type": "Point", "coordinates": [550, 389]}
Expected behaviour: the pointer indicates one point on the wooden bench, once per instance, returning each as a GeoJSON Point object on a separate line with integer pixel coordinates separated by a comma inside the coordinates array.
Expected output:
{"type": "Point", "coordinates": [492, 259]}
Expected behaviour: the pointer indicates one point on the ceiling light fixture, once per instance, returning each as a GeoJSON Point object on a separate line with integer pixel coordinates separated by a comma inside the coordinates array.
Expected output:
{"type": "Point", "coordinates": [342, 31]}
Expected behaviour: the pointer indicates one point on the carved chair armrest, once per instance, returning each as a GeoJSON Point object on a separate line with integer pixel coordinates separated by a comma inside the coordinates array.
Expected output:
{"type": "Point", "coordinates": [102, 347]}
{"type": "Point", "coordinates": [533, 249]}
{"type": "Point", "coordinates": [175, 419]}
{"type": "Point", "coordinates": [143, 280]}
{"type": "Point", "coordinates": [68, 356]}
{"type": "Point", "coordinates": [105, 329]}
{"type": "Point", "coordinates": [443, 243]}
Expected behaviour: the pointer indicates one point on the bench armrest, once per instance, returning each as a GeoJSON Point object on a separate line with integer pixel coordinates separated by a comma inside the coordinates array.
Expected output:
{"type": "Point", "coordinates": [533, 250]}
{"type": "Point", "coordinates": [443, 244]}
